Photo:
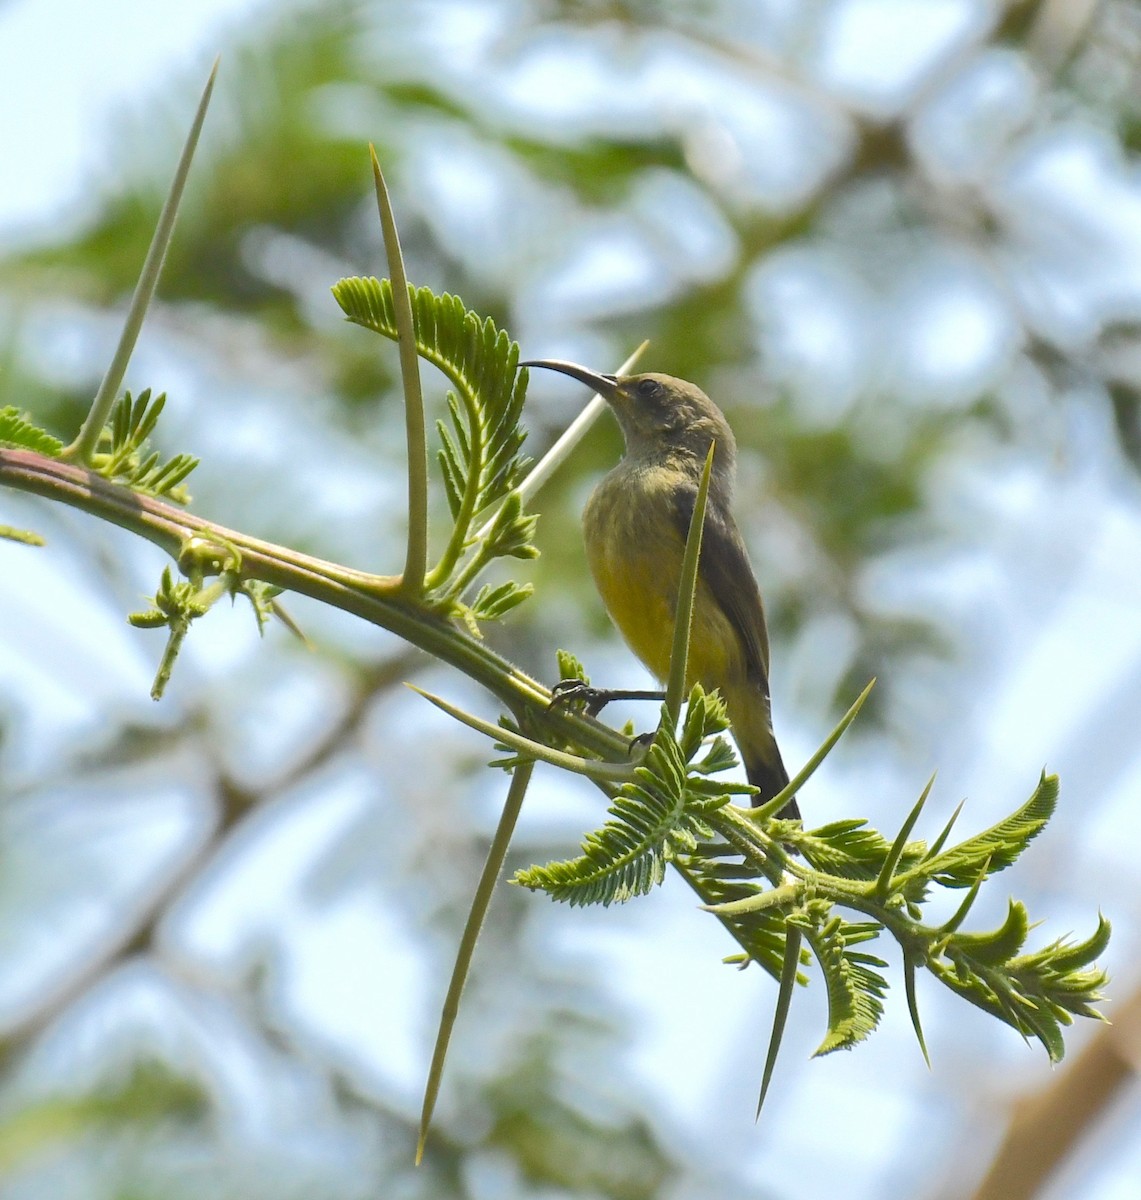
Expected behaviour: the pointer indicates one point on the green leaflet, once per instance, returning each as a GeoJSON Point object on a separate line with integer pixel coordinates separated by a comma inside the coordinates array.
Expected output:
{"type": "Point", "coordinates": [1036, 993]}
{"type": "Point", "coordinates": [26, 537]}
{"type": "Point", "coordinates": [124, 456]}
{"type": "Point", "coordinates": [18, 432]}
{"type": "Point", "coordinates": [492, 602]}
{"type": "Point", "coordinates": [482, 438]}
{"type": "Point", "coordinates": [855, 990]}
{"type": "Point", "coordinates": [654, 818]}
{"type": "Point", "coordinates": [480, 441]}
{"type": "Point", "coordinates": [999, 846]}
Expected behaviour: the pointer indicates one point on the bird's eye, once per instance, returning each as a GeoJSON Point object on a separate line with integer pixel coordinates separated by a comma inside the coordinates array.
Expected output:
{"type": "Point", "coordinates": [648, 388]}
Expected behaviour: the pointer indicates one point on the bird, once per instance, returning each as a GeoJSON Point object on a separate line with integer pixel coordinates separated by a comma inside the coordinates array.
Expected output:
{"type": "Point", "coordinates": [635, 526]}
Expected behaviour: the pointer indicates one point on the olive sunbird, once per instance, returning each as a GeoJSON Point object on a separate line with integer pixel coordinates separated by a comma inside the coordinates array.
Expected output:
{"type": "Point", "coordinates": [635, 526]}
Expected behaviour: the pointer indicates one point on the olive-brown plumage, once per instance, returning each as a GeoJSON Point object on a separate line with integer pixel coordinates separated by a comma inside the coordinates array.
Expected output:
{"type": "Point", "coordinates": [635, 526]}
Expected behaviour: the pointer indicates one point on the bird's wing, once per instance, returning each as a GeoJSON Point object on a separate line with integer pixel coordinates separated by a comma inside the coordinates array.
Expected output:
{"type": "Point", "coordinates": [726, 570]}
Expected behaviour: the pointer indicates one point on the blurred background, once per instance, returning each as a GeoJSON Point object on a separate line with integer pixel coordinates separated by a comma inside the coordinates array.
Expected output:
{"type": "Point", "coordinates": [900, 244]}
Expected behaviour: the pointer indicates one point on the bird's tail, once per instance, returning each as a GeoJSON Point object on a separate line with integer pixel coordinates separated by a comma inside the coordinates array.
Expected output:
{"type": "Point", "coordinates": [772, 778]}
{"type": "Point", "coordinates": [751, 715]}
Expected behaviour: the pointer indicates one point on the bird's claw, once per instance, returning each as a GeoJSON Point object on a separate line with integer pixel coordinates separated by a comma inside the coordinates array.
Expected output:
{"type": "Point", "coordinates": [642, 742]}
{"type": "Point", "coordinates": [574, 691]}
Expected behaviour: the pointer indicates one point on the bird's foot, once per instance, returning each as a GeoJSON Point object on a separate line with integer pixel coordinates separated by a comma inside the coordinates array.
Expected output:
{"type": "Point", "coordinates": [640, 743]}
{"type": "Point", "coordinates": [594, 700]}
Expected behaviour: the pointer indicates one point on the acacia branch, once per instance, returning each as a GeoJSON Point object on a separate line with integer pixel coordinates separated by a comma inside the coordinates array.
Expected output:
{"type": "Point", "coordinates": [373, 598]}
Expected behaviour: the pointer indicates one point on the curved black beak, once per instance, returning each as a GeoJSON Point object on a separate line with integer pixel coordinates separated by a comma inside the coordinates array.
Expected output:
{"type": "Point", "coordinates": [604, 385]}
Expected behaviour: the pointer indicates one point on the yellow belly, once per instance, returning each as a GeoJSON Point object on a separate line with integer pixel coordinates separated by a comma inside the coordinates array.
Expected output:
{"type": "Point", "coordinates": [634, 549]}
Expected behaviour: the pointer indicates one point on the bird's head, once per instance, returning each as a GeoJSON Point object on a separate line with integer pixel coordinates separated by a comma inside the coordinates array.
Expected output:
{"type": "Point", "coordinates": [660, 416]}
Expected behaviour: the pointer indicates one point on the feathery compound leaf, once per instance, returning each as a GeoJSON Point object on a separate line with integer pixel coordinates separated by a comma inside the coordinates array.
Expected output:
{"type": "Point", "coordinates": [493, 602]}
{"type": "Point", "coordinates": [652, 820]}
{"type": "Point", "coordinates": [850, 849]}
{"type": "Point", "coordinates": [705, 715]}
{"type": "Point", "coordinates": [124, 456]}
{"type": "Point", "coordinates": [855, 991]}
{"type": "Point", "coordinates": [17, 432]}
{"type": "Point", "coordinates": [1035, 993]}
{"type": "Point", "coordinates": [570, 666]}
{"type": "Point", "coordinates": [998, 945]}
{"type": "Point", "coordinates": [479, 360]}
{"type": "Point", "coordinates": [625, 858]}
{"type": "Point", "coordinates": [1000, 845]}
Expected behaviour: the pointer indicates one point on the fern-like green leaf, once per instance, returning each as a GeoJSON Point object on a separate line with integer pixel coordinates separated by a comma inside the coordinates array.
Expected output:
{"type": "Point", "coordinates": [1000, 845]}
{"type": "Point", "coordinates": [18, 433]}
{"type": "Point", "coordinates": [654, 818]}
{"type": "Point", "coordinates": [1036, 993]}
{"type": "Point", "coordinates": [124, 456]}
{"type": "Point", "coordinates": [848, 848]}
{"type": "Point", "coordinates": [493, 602]}
{"type": "Point", "coordinates": [855, 989]}
{"type": "Point", "coordinates": [481, 363]}
{"type": "Point", "coordinates": [999, 945]}
{"type": "Point", "coordinates": [624, 859]}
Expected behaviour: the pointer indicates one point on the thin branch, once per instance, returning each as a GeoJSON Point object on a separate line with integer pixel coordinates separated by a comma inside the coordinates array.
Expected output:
{"type": "Point", "coordinates": [377, 599]}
